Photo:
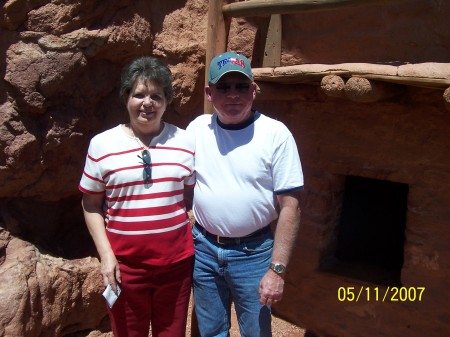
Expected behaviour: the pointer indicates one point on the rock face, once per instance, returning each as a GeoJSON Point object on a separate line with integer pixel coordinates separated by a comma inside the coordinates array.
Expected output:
{"type": "Point", "coordinates": [60, 87]}
{"type": "Point", "coordinates": [61, 77]}
{"type": "Point", "coordinates": [44, 295]}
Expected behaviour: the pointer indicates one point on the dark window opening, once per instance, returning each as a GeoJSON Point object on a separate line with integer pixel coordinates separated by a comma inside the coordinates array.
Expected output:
{"type": "Point", "coordinates": [371, 230]}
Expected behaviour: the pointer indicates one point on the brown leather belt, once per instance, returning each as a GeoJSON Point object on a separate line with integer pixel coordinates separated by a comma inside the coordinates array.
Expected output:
{"type": "Point", "coordinates": [223, 240]}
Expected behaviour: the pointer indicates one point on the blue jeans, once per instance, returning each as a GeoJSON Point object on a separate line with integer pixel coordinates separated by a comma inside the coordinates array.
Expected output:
{"type": "Point", "coordinates": [231, 273]}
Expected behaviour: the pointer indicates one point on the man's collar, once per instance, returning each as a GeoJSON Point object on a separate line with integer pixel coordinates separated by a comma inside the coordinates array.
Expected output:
{"type": "Point", "coordinates": [253, 117]}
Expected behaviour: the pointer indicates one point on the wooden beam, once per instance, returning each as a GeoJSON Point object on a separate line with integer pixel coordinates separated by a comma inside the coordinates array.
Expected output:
{"type": "Point", "coordinates": [216, 40]}
{"type": "Point", "coordinates": [360, 89]}
{"type": "Point", "coordinates": [333, 86]}
{"type": "Point", "coordinates": [446, 97]}
{"type": "Point", "coordinates": [303, 73]}
{"type": "Point", "coordinates": [272, 50]}
{"type": "Point", "coordinates": [269, 7]}
{"type": "Point", "coordinates": [438, 83]}
{"type": "Point", "coordinates": [313, 73]}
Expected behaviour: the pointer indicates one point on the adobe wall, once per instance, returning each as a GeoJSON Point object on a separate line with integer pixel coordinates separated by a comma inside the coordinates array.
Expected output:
{"type": "Point", "coordinates": [382, 141]}
{"type": "Point", "coordinates": [62, 62]}
{"type": "Point", "coordinates": [403, 139]}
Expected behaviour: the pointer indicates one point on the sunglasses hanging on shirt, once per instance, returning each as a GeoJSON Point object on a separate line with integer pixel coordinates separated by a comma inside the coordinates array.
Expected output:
{"type": "Point", "coordinates": [147, 162]}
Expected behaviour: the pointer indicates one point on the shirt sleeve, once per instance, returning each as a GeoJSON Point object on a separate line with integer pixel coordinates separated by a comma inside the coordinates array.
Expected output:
{"type": "Point", "coordinates": [91, 180]}
{"type": "Point", "coordinates": [287, 169]}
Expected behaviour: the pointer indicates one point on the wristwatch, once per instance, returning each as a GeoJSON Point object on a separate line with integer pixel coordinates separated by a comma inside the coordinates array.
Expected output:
{"type": "Point", "coordinates": [278, 268]}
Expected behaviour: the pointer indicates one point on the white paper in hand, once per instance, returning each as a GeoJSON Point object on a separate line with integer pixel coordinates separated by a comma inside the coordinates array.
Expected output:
{"type": "Point", "coordinates": [110, 295]}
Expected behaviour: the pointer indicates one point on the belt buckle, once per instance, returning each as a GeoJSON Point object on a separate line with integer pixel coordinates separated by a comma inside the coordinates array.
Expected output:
{"type": "Point", "coordinates": [236, 240]}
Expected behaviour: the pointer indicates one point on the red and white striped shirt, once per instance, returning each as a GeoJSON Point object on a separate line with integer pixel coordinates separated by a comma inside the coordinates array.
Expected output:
{"type": "Point", "coordinates": [147, 223]}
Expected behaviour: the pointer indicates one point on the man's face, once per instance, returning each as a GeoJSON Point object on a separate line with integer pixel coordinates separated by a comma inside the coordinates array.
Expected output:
{"type": "Point", "coordinates": [232, 97]}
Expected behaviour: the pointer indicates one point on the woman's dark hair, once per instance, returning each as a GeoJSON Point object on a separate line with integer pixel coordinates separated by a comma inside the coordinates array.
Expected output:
{"type": "Point", "coordinates": [146, 69]}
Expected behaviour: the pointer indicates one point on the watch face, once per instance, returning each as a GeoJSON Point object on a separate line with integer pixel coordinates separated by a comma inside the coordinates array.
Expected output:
{"type": "Point", "coordinates": [278, 268]}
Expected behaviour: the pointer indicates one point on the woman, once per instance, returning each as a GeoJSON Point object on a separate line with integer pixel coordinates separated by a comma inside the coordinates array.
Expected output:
{"type": "Point", "coordinates": [139, 170]}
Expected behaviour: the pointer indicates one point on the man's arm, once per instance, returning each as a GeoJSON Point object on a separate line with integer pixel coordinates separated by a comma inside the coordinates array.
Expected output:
{"type": "Point", "coordinates": [272, 284]}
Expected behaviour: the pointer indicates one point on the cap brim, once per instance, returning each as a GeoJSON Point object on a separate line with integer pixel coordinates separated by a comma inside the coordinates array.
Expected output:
{"type": "Point", "coordinates": [230, 71]}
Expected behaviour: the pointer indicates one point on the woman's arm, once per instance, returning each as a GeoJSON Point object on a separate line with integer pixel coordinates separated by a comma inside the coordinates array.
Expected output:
{"type": "Point", "coordinates": [93, 214]}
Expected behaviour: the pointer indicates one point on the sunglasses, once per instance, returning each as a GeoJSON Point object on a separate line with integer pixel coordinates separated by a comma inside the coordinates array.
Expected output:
{"type": "Point", "coordinates": [225, 87]}
{"type": "Point", "coordinates": [147, 162]}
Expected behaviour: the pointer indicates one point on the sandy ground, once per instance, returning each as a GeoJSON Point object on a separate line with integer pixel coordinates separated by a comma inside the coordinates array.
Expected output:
{"type": "Point", "coordinates": [280, 327]}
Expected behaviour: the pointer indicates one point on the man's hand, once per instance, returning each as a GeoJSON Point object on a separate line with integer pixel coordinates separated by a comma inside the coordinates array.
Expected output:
{"type": "Point", "coordinates": [271, 288]}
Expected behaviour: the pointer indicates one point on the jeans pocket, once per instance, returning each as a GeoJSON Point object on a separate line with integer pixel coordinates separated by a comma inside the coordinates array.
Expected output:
{"type": "Point", "coordinates": [196, 234]}
{"type": "Point", "coordinates": [258, 246]}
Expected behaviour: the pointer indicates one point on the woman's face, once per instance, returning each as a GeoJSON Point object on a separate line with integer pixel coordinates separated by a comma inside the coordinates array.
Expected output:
{"type": "Point", "coordinates": [146, 104]}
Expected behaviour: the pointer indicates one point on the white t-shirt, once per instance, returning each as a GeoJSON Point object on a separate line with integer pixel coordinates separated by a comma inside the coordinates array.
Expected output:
{"type": "Point", "coordinates": [239, 171]}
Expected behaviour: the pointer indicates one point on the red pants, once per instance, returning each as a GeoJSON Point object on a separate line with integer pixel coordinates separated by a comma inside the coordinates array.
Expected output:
{"type": "Point", "coordinates": [156, 294]}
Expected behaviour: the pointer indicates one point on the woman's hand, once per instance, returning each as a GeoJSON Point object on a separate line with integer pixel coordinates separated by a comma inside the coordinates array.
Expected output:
{"type": "Point", "coordinates": [110, 271]}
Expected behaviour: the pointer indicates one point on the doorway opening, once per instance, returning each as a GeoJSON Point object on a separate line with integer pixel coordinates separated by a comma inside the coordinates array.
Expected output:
{"type": "Point", "coordinates": [371, 230]}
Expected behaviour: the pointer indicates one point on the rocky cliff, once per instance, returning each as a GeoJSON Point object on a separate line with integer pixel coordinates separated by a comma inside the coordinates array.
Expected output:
{"type": "Point", "coordinates": [60, 87]}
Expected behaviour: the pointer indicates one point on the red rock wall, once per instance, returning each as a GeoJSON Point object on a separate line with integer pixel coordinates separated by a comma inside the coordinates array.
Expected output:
{"type": "Point", "coordinates": [60, 87]}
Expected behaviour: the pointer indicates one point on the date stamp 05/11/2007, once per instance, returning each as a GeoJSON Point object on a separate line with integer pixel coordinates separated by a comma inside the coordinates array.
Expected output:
{"type": "Point", "coordinates": [377, 294]}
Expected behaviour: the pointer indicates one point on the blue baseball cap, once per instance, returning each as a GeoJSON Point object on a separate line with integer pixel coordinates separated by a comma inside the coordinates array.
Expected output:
{"type": "Point", "coordinates": [226, 63]}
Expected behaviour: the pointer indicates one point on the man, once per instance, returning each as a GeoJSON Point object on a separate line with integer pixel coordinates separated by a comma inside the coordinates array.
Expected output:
{"type": "Point", "coordinates": [248, 175]}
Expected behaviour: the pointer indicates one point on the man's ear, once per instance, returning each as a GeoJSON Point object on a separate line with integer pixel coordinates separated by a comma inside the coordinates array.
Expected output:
{"type": "Point", "coordinates": [208, 93]}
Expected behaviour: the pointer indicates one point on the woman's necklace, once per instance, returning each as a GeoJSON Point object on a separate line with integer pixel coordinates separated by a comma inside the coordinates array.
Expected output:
{"type": "Point", "coordinates": [140, 142]}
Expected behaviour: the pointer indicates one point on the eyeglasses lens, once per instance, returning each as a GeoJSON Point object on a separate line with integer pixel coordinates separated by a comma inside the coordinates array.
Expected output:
{"type": "Point", "coordinates": [146, 160]}
{"type": "Point", "coordinates": [224, 87]}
